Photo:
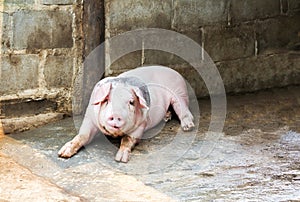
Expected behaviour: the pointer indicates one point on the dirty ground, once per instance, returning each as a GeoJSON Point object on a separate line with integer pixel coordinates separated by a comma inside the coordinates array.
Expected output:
{"type": "Point", "coordinates": [257, 158]}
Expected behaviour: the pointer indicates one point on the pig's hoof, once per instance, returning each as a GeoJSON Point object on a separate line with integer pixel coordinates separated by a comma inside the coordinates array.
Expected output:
{"type": "Point", "coordinates": [123, 155]}
{"type": "Point", "coordinates": [68, 150]}
{"type": "Point", "coordinates": [187, 123]}
{"type": "Point", "coordinates": [168, 116]}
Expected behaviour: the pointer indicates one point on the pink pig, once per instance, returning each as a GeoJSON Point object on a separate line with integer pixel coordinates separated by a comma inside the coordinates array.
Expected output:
{"type": "Point", "coordinates": [129, 104]}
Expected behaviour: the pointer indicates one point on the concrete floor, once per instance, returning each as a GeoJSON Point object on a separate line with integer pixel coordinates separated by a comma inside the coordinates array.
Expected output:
{"type": "Point", "coordinates": [257, 158]}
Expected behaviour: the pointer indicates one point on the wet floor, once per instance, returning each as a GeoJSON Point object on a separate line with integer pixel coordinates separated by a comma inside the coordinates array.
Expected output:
{"type": "Point", "coordinates": [256, 158]}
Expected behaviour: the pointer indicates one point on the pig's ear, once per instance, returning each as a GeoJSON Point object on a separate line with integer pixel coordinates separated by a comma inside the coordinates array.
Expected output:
{"type": "Point", "coordinates": [141, 99]}
{"type": "Point", "coordinates": [100, 93]}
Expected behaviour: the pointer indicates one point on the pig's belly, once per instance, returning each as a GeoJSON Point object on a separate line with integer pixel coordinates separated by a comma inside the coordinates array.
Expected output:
{"type": "Point", "coordinates": [156, 115]}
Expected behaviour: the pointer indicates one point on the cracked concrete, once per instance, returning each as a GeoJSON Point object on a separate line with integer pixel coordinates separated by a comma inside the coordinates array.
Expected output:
{"type": "Point", "coordinates": [257, 158]}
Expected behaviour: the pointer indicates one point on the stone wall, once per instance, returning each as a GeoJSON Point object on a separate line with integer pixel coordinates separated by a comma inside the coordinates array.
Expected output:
{"type": "Point", "coordinates": [41, 50]}
{"type": "Point", "coordinates": [254, 44]}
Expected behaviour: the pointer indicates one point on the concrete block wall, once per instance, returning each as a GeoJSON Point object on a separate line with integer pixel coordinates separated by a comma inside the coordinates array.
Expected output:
{"type": "Point", "coordinates": [41, 52]}
{"type": "Point", "coordinates": [254, 44]}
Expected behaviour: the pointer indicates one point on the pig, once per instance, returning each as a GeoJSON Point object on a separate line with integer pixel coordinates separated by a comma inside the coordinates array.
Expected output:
{"type": "Point", "coordinates": [128, 105]}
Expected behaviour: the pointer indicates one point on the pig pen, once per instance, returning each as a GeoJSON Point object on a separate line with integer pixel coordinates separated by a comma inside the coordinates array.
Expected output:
{"type": "Point", "coordinates": [253, 44]}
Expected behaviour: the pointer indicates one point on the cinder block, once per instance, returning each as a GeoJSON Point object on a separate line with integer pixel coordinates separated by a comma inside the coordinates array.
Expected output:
{"type": "Point", "coordinates": [58, 2]}
{"type": "Point", "coordinates": [18, 73]}
{"type": "Point", "coordinates": [19, 2]}
{"type": "Point", "coordinates": [58, 71]}
{"type": "Point", "coordinates": [42, 29]}
{"type": "Point", "coordinates": [129, 15]}
{"type": "Point", "coordinates": [5, 32]}
{"type": "Point", "coordinates": [156, 57]}
{"type": "Point", "coordinates": [128, 61]}
{"type": "Point", "coordinates": [195, 35]}
{"type": "Point", "coordinates": [170, 58]}
{"type": "Point", "coordinates": [27, 107]}
{"type": "Point", "coordinates": [278, 33]}
{"type": "Point", "coordinates": [192, 14]}
{"type": "Point", "coordinates": [261, 72]}
{"type": "Point", "coordinates": [193, 78]}
{"type": "Point", "coordinates": [246, 10]}
{"type": "Point", "coordinates": [294, 5]}
{"type": "Point", "coordinates": [228, 43]}
{"type": "Point", "coordinates": [163, 51]}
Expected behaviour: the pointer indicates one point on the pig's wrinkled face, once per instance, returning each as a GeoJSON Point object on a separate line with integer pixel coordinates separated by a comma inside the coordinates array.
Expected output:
{"type": "Point", "coordinates": [122, 110]}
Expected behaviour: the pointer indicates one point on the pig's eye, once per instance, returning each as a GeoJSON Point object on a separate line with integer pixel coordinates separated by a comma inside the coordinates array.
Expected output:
{"type": "Point", "coordinates": [131, 102]}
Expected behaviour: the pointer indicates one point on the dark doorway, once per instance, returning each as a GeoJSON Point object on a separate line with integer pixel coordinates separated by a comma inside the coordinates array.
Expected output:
{"type": "Point", "coordinates": [94, 34]}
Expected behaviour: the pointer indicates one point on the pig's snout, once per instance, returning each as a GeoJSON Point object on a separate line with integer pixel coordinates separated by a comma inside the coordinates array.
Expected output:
{"type": "Point", "coordinates": [115, 121]}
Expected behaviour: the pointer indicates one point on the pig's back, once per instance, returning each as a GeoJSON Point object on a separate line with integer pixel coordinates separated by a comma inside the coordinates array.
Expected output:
{"type": "Point", "coordinates": [159, 75]}
{"type": "Point", "coordinates": [163, 83]}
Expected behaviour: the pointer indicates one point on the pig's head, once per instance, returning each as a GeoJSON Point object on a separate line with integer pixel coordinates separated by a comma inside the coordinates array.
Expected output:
{"type": "Point", "coordinates": [122, 106]}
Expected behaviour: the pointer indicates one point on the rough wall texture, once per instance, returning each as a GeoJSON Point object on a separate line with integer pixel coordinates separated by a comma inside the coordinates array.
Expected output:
{"type": "Point", "coordinates": [41, 50]}
{"type": "Point", "coordinates": [254, 44]}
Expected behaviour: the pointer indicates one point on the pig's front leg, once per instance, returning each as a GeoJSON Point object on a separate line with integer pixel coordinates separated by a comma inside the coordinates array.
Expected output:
{"type": "Point", "coordinates": [181, 108]}
{"type": "Point", "coordinates": [127, 144]}
{"type": "Point", "coordinates": [86, 133]}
